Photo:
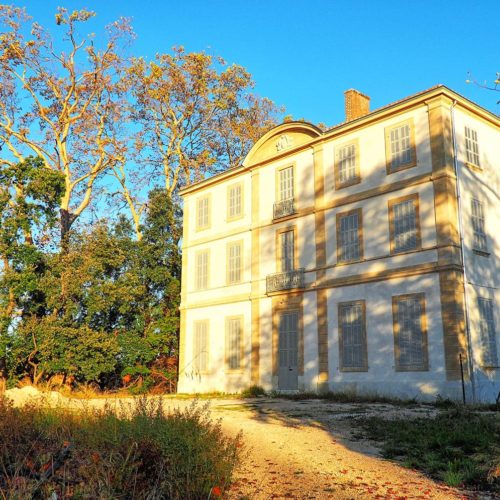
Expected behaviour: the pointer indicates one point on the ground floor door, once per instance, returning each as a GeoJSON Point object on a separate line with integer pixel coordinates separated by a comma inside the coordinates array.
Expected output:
{"type": "Point", "coordinates": [288, 350]}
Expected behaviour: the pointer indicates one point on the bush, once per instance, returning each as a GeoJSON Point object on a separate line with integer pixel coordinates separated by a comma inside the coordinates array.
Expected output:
{"type": "Point", "coordinates": [254, 391]}
{"type": "Point", "coordinates": [140, 452]}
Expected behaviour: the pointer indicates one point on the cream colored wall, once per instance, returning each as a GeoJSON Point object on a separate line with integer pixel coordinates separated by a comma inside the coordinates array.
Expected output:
{"type": "Point", "coordinates": [483, 272]}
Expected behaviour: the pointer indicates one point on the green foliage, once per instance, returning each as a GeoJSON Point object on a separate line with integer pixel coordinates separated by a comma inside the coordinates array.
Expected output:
{"type": "Point", "coordinates": [145, 452]}
{"type": "Point", "coordinates": [254, 391]}
{"type": "Point", "coordinates": [459, 447]}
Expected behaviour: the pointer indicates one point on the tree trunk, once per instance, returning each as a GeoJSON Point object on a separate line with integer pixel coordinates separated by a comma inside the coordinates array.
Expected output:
{"type": "Point", "coordinates": [67, 219]}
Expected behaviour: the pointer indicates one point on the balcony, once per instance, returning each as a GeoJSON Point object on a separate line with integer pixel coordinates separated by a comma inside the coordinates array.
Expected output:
{"type": "Point", "coordinates": [285, 281]}
{"type": "Point", "coordinates": [284, 208]}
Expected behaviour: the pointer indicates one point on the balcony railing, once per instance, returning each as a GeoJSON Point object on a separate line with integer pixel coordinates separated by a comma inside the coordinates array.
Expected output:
{"type": "Point", "coordinates": [285, 281]}
{"type": "Point", "coordinates": [284, 208]}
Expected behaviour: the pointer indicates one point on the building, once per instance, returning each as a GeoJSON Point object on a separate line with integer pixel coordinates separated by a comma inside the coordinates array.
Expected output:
{"type": "Point", "coordinates": [333, 260]}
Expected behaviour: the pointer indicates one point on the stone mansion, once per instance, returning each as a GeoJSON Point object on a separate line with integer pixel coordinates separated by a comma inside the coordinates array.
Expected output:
{"type": "Point", "coordinates": [363, 258]}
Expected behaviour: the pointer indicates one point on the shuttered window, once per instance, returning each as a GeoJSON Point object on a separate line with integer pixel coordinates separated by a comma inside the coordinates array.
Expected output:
{"type": "Point", "coordinates": [234, 262]}
{"type": "Point", "coordinates": [234, 343]}
{"type": "Point", "coordinates": [287, 251]}
{"type": "Point", "coordinates": [202, 213]}
{"type": "Point", "coordinates": [471, 146]}
{"type": "Point", "coordinates": [234, 201]}
{"type": "Point", "coordinates": [348, 233]}
{"type": "Point", "coordinates": [346, 164]}
{"type": "Point", "coordinates": [487, 334]}
{"type": "Point", "coordinates": [410, 332]}
{"type": "Point", "coordinates": [286, 184]}
{"type": "Point", "coordinates": [352, 336]}
{"type": "Point", "coordinates": [405, 222]}
{"type": "Point", "coordinates": [479, 235]}
{"type": "Point", "coordinates": [200, 346]}
{"type": "Point", "coordinates": [401, 149]}
{"type": "Point", "coordinates": [201, 270]}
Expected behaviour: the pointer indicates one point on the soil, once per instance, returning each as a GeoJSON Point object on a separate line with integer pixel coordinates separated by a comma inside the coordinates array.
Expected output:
{"type": "Point", "coordinates": [304, 449]}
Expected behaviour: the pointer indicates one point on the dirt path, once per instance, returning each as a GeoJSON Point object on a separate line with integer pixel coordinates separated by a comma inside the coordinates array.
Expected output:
{"type": "Point", "coordinates": [304, 449]}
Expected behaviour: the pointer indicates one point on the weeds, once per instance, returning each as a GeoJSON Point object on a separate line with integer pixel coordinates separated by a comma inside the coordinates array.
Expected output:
{"type": "Point", "coordinates": [459, 446]}
{"type": "Point", "coordinates": [139, 451]}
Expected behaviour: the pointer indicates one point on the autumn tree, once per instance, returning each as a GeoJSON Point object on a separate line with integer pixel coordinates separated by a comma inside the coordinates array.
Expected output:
{"type": "Point", "coordinates": [60, 100]}
{"type": "Point", "coordinates": [196, 116]}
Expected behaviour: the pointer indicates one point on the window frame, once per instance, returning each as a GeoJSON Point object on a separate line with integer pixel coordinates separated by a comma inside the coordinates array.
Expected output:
{"type": "Point", "coordinates": [198, 255]}
{"type": "Point", "coordinates": [491, 334]}
{"type": "Point", "coordinates": [230, 244]}
{"type": "Point", "coordinates": [196, 355]}
{"type": "Point", "coordinates": [239, 215]}
{"type": "Point", "coordinates": [338, 218]}
{"type": "Point", "coordinates": [279, 232]}
{"type": "Point", "coordinates": [227, 354]}
{"type": "Point", "coordinates": [424, 366]}
{"type": "Point", "coordinates": [471, 163]}
{"type": "Point", "coordinates": [202, 227]}
{"type": "Point", "coordinates": [390, 169]}
{"type": "Point", "coordinates": [364, 346]}
{"type": "Point", "coordinates": [480, 220]}
{"type": "Point", "coordinates": [278, 197]}
{"type": "Point", "coordinates": [392, 223]}
{"type": "Point", "coordinates": [357, 175]}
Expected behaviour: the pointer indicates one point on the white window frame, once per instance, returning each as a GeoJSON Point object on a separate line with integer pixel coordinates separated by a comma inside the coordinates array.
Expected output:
{"type": "Point", "coordinates": [487, 332]}
{"type": "Point", "coordinates": [472, 147]}
{"type": "Point", "coordinates": [347, 168]}
{"type": "Point", "coordinates": [200, 346]}
{"type": "Point", "coordinates": [286, 183]}
{"type": "Point", "coordinates": [202, 212]}
{"type": "Point", "coordinates": [479, 239]}
{"type": "Point", "coordinates": [234, 262]}
{"type": "Point", "coordinates": [234, 343]}
{"type": "Point", "coordinates": [235, 201]}
{"type": "Point", "coordinates": [202, 264]}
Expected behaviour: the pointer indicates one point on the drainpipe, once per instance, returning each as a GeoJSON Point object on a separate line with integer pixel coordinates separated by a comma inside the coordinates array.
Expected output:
{"type": "Point", "coordinates": [462, 251]}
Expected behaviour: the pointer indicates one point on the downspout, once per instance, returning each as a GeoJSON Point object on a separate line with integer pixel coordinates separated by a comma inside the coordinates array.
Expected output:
{"type": "Point", "coordinates": [462, 251]}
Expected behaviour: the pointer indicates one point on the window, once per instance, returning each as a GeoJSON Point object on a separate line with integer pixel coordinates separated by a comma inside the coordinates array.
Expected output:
{"type": "Point", "coordinates": [200, 346]}
{"type": "Point", "coordinates": [347, 165]}
{"type": "Point", "coordinates": [487, 336]}
{"type": "Point", "coordinates": [400, 146]}
{"type": "Point", "coordinates": [404, 224]}
{"type": "Point", "coordinates": [285, 184]}
{"type": "Point", "coordinates": [479, 235]}
{"type": "Point", "coordinates": [201, 270]}
{"type": "Point", "coordinates": [234, 261]}
{"type": "Point", "coordinates": [234, 201]}
{"type": "Point", "coordinates": [352, 336]}
{"type": "Point", "coordinates": [234, 343]}
{"type": "Point", "coordinates": [471, 146]}
{"type": "Point", "coordinates": [349, 236]}
{"type": "Point", "coordinates": [202, 213]}
{"type": "Point", "coordinates": [410, 332]}
{"type": "Point", "coordinates": [287, 250]}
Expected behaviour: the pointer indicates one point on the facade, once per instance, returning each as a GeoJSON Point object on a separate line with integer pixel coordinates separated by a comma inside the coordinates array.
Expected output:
{"type": "Point", "coordinates": [333, 260]}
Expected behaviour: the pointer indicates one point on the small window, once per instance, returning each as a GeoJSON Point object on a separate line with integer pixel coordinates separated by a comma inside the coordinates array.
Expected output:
{"type": "Point", "coordinates": [287, 251]}
{"type": "Point", "coordinates": [352, 336]}
{"type": "Point", "coordinates": [479, 234]}
{"type": "Point", "coordinates": [404, 224]}
{"type": "Point", "coordinates": [410, 334]}
{"type": "Point", "coordinates": [285, 187]}
{"type": "Point", "coordinates": [200, 346]}
{"type": "Point", "coordinates": [471, 146]}
{"type": "Point", "coordinates": [202, 213]}
{"type": "Point", "coordinates": [234, 201]}
{"type": "Point", "coordinates": [400, 147]}
{"type": "Point", "coordinates": [487, 335]}
{"type": "Point", "coordinates": [234, 262]}
{"type": "Point", "coordinates": [201, 270]}
{"type": "Point", "coordinates": [234, 343]}
{"type": "Point", "coordinates": [349, 236]}
{"type": "Point", "coordinates": [347, 165]}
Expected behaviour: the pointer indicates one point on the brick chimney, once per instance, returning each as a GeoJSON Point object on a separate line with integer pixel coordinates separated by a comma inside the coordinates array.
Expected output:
{"type": "Point", "coordinates": [356, 104]}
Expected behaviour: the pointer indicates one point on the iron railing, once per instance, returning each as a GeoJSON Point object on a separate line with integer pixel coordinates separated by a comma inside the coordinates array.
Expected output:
{"type": "Point", "coordinates": [284, 208]}
{"type": "Point", "coordinates": [285, 280]}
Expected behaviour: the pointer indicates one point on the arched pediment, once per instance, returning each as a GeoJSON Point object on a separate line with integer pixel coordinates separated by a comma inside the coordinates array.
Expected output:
{"type": "Point", "coordinates": [279, 139]}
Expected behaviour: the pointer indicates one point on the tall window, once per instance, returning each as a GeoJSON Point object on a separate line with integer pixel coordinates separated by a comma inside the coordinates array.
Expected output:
{"type": "Point", "coordinates": [400, 147]}
{"type": "Point", "coordinates": [487, 335]}
{"type": "Point", "coordinates": [202, 212]}
{"type": "Point", "coordinates": [287, 251]}
{"type": "Point", "coordinates": [285, 184]}
{"type": "Point", "coordinates": [410, 335]}
{"type": "Point", "coordinates": [234, 343]}
{"type": "Point", "coordinates": [234, 262]}
{"type": "Point", "coordinates": [201, 270]}
{"type": "Point", "coordinates": [352, 336]}
{"type": "Point", "coordinates": [479, 234]}
{"type": "Point", "coordinates": [404, 224]}
{"type": "Point", "coordinates": [346, 166]}
{"type": "Point", "coordinates": [349, 236]}
{"type": "Point", "coordinates": [200, 346]}
{"type": "Point", "coordinates": [234, 201]}
{"type": "Point", "coordinates": [471, 146]}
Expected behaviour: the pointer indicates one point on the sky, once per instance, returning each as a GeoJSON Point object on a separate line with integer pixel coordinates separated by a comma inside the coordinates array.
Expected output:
{"type": "Point", "coordinates": [305, 54]}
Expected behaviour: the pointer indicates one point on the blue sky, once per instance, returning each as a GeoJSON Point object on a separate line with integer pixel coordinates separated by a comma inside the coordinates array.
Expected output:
{"type": "Point", "coordinates": [303, 55]}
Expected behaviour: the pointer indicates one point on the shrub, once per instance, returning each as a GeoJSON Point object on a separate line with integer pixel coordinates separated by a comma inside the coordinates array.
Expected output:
{"type": "Point", "coordinates": [138, 452]}
{"type": "Point", "coordinates": [254, 391]}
